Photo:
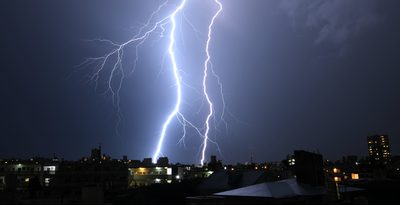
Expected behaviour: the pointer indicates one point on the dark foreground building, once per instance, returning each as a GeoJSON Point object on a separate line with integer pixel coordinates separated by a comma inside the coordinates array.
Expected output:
{"type": "Point", "coordinates": [308, 187]}
{"type": "Point", "coordinates": [309, 168]}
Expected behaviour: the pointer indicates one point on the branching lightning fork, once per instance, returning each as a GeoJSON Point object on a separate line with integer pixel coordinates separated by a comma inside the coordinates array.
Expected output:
{"type": "Point", "coordinates": [118, 74]}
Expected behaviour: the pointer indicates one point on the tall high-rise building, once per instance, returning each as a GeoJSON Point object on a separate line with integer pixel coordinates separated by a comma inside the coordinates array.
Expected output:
{"type": "Point", "coordinates": [379, 149]}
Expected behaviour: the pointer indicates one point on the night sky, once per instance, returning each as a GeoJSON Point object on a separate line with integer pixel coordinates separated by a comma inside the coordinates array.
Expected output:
{"type": "Point", "coordinates": [318, 75]}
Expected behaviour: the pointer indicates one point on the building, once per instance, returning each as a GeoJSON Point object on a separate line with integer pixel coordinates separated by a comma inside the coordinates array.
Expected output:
{"type": "Point", "coordinates": [18, 175]}
{"type": "Point", "coordinates": [223, 180]}
{"type": "Point", "coordinates": [345, 171]}
{"type": "Point", "coordinates": [73, 176]}
{"type": "Point", "coordinates": [307, 187]}
{"type": "Point", "coordinates": [378, 149]}
{"type": "Point", "coordinates": [309, 168]}
{"type": "Point", "coordinates": [214, 163]}
{"type": "Point", "coordinates": [54, 181]}
{"type": "Point", "coordinates": [147, 162]}
{"type": "Point", "coordinates": [96, 153]}
{"type": "Point", "coordinates": [288, 191]}
{"type": "Point", "coordinates": [146, 173]}
{"type": "Point", "coordinates": [350, 160]}
{"type": "Point", "coordinates": [144, 176]}
{"type": "Point", "coordinates": [163, 162]}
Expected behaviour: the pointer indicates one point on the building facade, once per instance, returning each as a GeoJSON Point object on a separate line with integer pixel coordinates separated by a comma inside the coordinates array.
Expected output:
{"type": "Point", "coordinates": [17, 175]}
{"type": "Point", "coordinates": [379, 149]}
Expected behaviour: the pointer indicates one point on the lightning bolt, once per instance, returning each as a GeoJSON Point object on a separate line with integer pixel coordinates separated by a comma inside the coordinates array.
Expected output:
{"type": "Point", "coordinates": [117, 73]}
{"type": "Point", "coordinates": [208, 63]}
{"type": "Point", "coordinates": [177, 79]}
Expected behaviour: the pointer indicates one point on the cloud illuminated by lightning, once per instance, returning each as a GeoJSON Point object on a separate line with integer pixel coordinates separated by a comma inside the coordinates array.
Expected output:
{"type": "Point", "coordinates": [118, 74]}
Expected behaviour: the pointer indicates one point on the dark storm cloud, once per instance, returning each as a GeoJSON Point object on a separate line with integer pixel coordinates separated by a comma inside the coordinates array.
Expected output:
{"type": "Point", "coordinates": [334, 21]}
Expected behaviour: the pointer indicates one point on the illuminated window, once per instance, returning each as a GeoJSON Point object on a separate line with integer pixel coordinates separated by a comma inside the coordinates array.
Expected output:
{"type": "Point", "coordinates": [337, 179]}
{"type": "Point", "coordinates": [46, 181]}
{"type": "Point", "coordinates": [354, 176]}
{"type": "Point", "coordinates": [49, 168]}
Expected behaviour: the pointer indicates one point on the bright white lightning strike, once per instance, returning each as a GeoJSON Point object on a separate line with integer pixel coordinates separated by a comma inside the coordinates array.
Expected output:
{"type": "Point", "coordinates": [117, 73]}
{"type": "Point", "coordinates": [177, 79]}
{"type": "Point", "coordinates": [206, 67]}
